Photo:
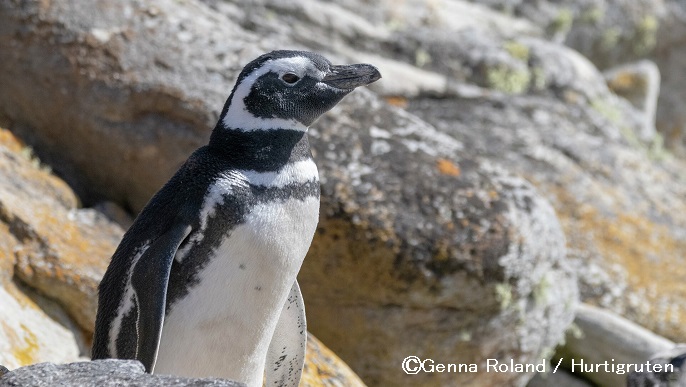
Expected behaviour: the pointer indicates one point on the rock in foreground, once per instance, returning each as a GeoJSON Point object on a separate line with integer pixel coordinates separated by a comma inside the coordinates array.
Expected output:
{"type": "Point", "coordinates": [101, 373]}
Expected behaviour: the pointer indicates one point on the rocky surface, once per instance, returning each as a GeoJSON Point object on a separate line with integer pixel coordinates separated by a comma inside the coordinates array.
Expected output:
{"type": "Point", "coordinates": [105, 373]}
{"type": "Point", "coordinates": [428, 246]}
{"type": "Point", "coordinates": [673, 357]}
{"type": "Point", "coordinates": [424, 237]}
{"type": "Point", "coordinates": [600, 336]}
{"type": "Point", "coordinates": [511, 94]}
{"type": "Point", "coordinates": [436, 242]}
{"type": "Point", "coordinates": [324, 369]}
{"type": "Point", "coordinates": [618, 200]}
{"type": "Point", "coordinates": [52, 256]}
{"type": "Point", "coordinates": [614, 32]}
{"type": "Point", "coordinates": [59, 251]}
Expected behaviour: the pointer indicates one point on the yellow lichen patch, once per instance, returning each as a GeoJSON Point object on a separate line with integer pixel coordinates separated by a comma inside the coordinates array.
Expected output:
{"type": "Point", "coordinates": [397, 101]}
{"type": "Point", "coordinates": [33, 329]}
{"type": "Point", "coordinates": [447, 167]}
{"type": "Point", "coordinates": [623, 81]}
{"type": "Point", "coordinates": [10, 141]}
{"type": "Point", "coordinates": [25, 353]}
{"type": "Point", "coordinates": [324, 368]}
{"type": "Point", "coordinates": [517, 50]}
{"type": "Point", "coordinates": [7, 259]}
{"type": "Point", "coordinates": [53, 247]}
{"type": "Point", "coordinates": [649, 252]}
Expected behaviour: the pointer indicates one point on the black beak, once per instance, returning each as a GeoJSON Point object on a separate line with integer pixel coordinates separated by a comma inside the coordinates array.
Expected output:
{"type": "Point", "coordinates": [348, 77]}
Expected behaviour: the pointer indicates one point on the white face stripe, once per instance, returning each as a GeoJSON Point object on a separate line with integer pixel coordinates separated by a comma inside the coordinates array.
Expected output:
{"type": "Point", "coordinates": [238, 116]}
{"type": "Point", "coordinates": [298, 172]}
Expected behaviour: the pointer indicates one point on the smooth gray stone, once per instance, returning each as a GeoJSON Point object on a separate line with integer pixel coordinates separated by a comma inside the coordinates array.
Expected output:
{"type": "Point", "coordinates": [101, 373]}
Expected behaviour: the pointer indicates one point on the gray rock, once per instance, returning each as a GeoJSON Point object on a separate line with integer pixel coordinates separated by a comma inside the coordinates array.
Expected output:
{"type": "Point", "coordinates": [135, 87]}
{"type": "Point", "coordinates": [447, 251]}
{"type": "Point", "coordinates": [614, 32]}
{"type": "Point", "coordinates": [670, 56]}
{"type": "Point", "coordinates": [561, 378]}
{"type": "Point", "coordinates": [101, 373]}
{"type": "Point", "coordinates": [617, 197]}
{"type": "Point", "coordinates": [639, 83]}
{"type": "Point", "coordinates": [604, 336]}
{"type": "Point", "coordinates": [424, 237]}
{"type": "Point", "coordinates": [672, 370]}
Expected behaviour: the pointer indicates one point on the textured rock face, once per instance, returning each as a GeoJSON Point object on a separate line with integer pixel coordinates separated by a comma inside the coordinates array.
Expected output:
{"type": "Point", "coordinates": [428, 243]}
{"type": "Point", "coordinates": [56, 249]}
{"type": "Point", "coordinates": [613, 32]}
{"type": "Point", "coordinates": [431, 247]}
{"type": "Point", "coordinates": [59, 251]}
{"type": "Point", "coordinates": [106, 373]}
{"type": "Point", "coordinates": [602, 335]}
{"type": "Point", "coordinates": [619, 201]}
{"type": "Point", "coordinates": [138, 124]}
{"type": "Point", "coordinates": [324, 368]}
{"type": "Point", "coordinates": [33, 328]}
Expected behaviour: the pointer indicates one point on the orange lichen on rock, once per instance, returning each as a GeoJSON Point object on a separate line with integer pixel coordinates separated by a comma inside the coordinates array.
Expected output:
{"type": "Point", "coordinates": [649, 252]}
{"type": "Point", "coordinates": [26, 352]}
{"type": "Point", "coordinates": [10, 141]}
{"type": "Point", "coordinates": [324, 368]}
{"type": "Point", "coordinates": [51, 245]}
{"type": "Point", "coordinates": [447, 167]}
{"type": "Point", "coordinates": [397, 101]}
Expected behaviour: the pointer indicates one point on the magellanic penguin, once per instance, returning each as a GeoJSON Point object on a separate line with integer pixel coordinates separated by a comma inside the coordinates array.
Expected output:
{"type": "Point", "coordinates": [204, 284]}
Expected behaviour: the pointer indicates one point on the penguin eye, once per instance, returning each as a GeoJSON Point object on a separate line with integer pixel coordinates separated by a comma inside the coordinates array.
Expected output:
{"type": "Point", "coordinates": [290, 78]}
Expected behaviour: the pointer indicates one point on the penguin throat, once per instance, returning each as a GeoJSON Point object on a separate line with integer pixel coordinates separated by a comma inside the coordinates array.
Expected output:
{"type": "Point", "coordinates": [260, 150]}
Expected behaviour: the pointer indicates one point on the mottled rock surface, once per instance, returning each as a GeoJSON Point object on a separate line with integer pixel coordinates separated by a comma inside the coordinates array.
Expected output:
{"type": "Point", "coordinates": [672, 370]}
{"type": "Point", "coordinates": [427, 226]}
{"type": "Point", "coordinates": [619, 200]}
{"type": "Point", "coordinates": [49, 243]}
{"type": "Point", "coordinates": [102, 373]}
{"type": "Point", "coordinates": [601, 336]}
{"type": "Point", "coordinates": [614, 32]}
{"type": "Point", "coordinates": [51, 260]}
{"type": "Point", "coordinates": [450, 253]}
{"type": "Point", "coordinates": [428, 241]}
{"type": "Point", "coordinates": [324, 369]}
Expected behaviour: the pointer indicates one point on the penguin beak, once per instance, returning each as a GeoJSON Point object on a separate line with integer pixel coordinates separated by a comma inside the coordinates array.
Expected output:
{"type": "Point", "coordinates": [348, 77]}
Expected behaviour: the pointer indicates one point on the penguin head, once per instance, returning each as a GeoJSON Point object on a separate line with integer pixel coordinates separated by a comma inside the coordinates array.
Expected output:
{"type": "Point", "coordinates": [290, 90]}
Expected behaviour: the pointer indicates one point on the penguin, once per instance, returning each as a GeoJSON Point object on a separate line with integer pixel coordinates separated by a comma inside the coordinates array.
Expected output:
{"type": "Point", "coordinates": [203, 283]}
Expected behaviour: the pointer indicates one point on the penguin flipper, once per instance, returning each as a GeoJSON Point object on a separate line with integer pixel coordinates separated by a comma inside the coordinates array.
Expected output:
{"type": "Point", "coordinates": [286, 353]}
{"type": "Point", "coordinates": [149, 281]}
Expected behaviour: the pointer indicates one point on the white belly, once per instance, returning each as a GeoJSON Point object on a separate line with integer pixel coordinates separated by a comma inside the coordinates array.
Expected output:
{"type": "Point", "coordinates": [223, 327]}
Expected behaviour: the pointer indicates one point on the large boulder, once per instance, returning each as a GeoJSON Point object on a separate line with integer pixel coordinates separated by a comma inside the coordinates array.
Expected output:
{"type": "Point", "coordinates": [502, 85]}
{"type": "Point", "coordinates": [618, 198]}
{"type": "Point", "coordinates": [435, 250]}
{"type": "Point", "coordinates": [46, 241]}
{"type": "Point", "coordinates": [433, 254]}
{"type": "Point", "coordinates": [121, 103]}
{"type": "Point", "coordinates": [614, 32]}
